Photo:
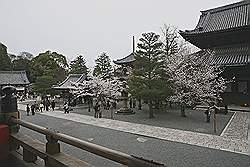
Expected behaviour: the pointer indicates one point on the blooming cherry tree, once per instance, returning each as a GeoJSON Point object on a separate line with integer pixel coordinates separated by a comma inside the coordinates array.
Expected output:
{"type": "Point", "coordinates": [194, 80]}
{"type": "Point", "coordinates": [99, 87]}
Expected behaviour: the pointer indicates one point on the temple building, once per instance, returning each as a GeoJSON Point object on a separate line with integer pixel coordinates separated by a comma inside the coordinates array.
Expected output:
{"type": "Point", "coordinates": [125, 68]}
{"type": "Point", "coordinates": [18, 79]}
{"type": "Point", "coordinates": [125, 64]}
{"type": "Point", "coordinates": [68, 83]}
{"type": "Point", "coordinates": [65, 87]}
{"type": "Point", "coordinates": [226, 31]}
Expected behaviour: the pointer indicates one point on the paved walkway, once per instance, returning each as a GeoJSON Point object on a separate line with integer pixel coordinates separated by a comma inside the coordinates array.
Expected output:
{"type": "Point", "coordinates": [227, 141]}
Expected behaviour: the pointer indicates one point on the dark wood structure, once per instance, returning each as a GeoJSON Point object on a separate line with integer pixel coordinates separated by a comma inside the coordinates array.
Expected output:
{"type": "Point", "coordinates": [226, 30]}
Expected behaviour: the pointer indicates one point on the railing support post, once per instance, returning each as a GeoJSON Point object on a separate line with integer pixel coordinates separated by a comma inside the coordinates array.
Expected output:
{"type": "Point", "coordinates": [29, 156]}
{"type": "Point", "coordinates": [52, 145]}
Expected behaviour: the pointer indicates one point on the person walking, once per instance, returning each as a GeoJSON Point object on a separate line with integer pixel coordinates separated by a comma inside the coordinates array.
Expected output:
{"type": "Point", "coordinates": [96, 110]}
{"type": "Point", "coordinates": [66, 108]}
{"type": "Point", "coordinates": [41, 107]}
{"type": "Point", "coordinates": [33, 106]}
{"type": "Point", "coordinates": [53, 104]}
{"type": "Point", "coordinates": [46, 104]}
{"type": "Point", "coordinates": [100, 112]}
{"type": "Point", "coordinates": [108, 104]}
{"type": "Point", "coordinates": [28, 109]}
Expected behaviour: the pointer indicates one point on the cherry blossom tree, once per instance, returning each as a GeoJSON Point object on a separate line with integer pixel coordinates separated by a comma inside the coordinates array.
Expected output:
{"type": "Point", "coordinates": [101, 88]}
{"type": "Point", "coordinates": [194, 79]}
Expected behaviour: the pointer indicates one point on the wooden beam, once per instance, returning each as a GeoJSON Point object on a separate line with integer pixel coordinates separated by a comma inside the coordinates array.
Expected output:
{"type": "Point", "coordinates": [38, 148]}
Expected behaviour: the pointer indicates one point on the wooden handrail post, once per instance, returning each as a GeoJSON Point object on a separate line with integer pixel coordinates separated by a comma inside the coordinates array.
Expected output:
{"type": "Point", "coordinates": [28, 156]}
{"type": "Point", "coordinates": [52, 145]}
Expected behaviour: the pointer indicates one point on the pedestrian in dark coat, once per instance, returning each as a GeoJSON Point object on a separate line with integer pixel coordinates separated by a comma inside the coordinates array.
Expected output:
{"type": "Point", "coordinates": [33, 106]}
{"type": "Point", "coordinates": [46, 104]}
{"type": "Point", "coordinates": [28, 109]}
{"type": "Point", "coordinates": [96, 109]}
{"type": "Point", "coordinates": [53, 104]}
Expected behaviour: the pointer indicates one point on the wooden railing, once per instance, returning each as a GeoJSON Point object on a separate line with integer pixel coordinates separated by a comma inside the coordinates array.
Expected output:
{"type": "Point", "coordinates": [52, 156]}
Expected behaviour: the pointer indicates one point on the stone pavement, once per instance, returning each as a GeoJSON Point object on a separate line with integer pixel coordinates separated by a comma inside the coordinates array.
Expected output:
{"type": "Point", "coordinates": [230, 140]}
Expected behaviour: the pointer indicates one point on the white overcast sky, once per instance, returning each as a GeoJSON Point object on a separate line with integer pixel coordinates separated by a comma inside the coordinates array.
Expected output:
{"type": "Point", "coordinates": [89, 27]}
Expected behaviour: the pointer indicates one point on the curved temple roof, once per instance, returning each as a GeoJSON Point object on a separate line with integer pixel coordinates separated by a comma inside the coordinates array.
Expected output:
{"type": "Point", "coordinates": [128, 59]}
{"type": "Point", "coordinates": [223, 18]}
{"type": "Point", "coordinates": [234, 55]}
{"type": "Point", "coordinates": [13, 78]}
{"type": "Point", "coordinates": [68, 82]}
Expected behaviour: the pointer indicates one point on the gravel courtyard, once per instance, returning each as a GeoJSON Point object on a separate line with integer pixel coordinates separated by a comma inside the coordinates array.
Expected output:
{"type": "Point", "coordinates": [170, 118]}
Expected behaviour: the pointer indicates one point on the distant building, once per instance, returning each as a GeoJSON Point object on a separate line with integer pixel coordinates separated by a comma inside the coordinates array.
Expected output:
{"type": "Point", "coordinates": [125, 64]}
{"type": "Point", "coordinates": [18, 79]}
{"type": "Point", "coordinates": [226, 30]}
{"type": "Point", "coordinates": [126, 61]}
{"type": "Point", "coordinates": [125, 68]}
{"type": "Point", "coordinates": [68, 83]}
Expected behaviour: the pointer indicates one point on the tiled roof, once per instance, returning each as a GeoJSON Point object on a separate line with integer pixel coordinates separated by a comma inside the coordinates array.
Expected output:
{"type": "Point", "coordinates": [223, 18]}
{"type": "Point", "coordinates": [233, 55]}
{"type": "Point", "coordinates": [13, 78]}
{"type": "Point", "coordinates": [128, 59]}
{"type": "Point", "coordinates": [70, 80]}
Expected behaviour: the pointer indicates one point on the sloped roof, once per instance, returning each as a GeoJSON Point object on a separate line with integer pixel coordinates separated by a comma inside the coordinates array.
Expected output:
{"type": "Point", "coordinates": [70, 80]}
{"type": "Point", "coordinates": [13, 78]}
{"type": "Point", "coordinates": [128, 59]}
{"type": "Point", "coordinates": [227, 17]}
{"type": "Point", "coordinates": [232, 55]}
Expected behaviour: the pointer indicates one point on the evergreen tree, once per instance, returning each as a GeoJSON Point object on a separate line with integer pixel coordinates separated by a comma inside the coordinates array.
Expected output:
{"type": "Point", "coordinates": [5, 61]}
{"type": "Point", "coordinates": [149, 79]}
{"type": "Point", "coordinates": [23, 62]}
{"type": "Point", "coordinates": [47, 69]}
{"type": "Point", "coordinates": [103, 66]}
{"type": "Point", "coordinates": [78, 66]}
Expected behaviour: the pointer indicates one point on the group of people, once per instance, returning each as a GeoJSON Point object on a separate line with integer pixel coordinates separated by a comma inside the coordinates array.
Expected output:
{"type": "Point", "coordinates": [30, 109]}
{"type": "Point", "coordinates": [107, 105]}
{"type": "Point", "coordinates": [36, 107]}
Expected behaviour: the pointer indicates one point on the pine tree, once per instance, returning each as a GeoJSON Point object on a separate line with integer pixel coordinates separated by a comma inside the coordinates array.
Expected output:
{"type": "Point", "coordinates": [78, 66]}
{"type": "Point", "coordinates": [149, 79]}
{"type": "Point", "coordinates": [103, 66]}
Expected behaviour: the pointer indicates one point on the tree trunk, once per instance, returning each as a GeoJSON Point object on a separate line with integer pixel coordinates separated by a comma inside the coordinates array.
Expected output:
{"type": "Point", "coordinates": [183, 110]}
{"type": "Point", "coordinates": [151, 114]}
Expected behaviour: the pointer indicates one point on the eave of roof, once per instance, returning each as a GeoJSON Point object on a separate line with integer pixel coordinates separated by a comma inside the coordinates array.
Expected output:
{"type": "Point", "coordinates": [67, 83]}
{"type": "Point", "coordinates": [13, 78]}
{"type": "Point", "coordinates": [128, 59]}
{"type": "Point", "coordinates": [225, 18]}
{"type": "Point", "coordinates": [232, 55]}
{"type": "Point", "coordinates": [226, 7]}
